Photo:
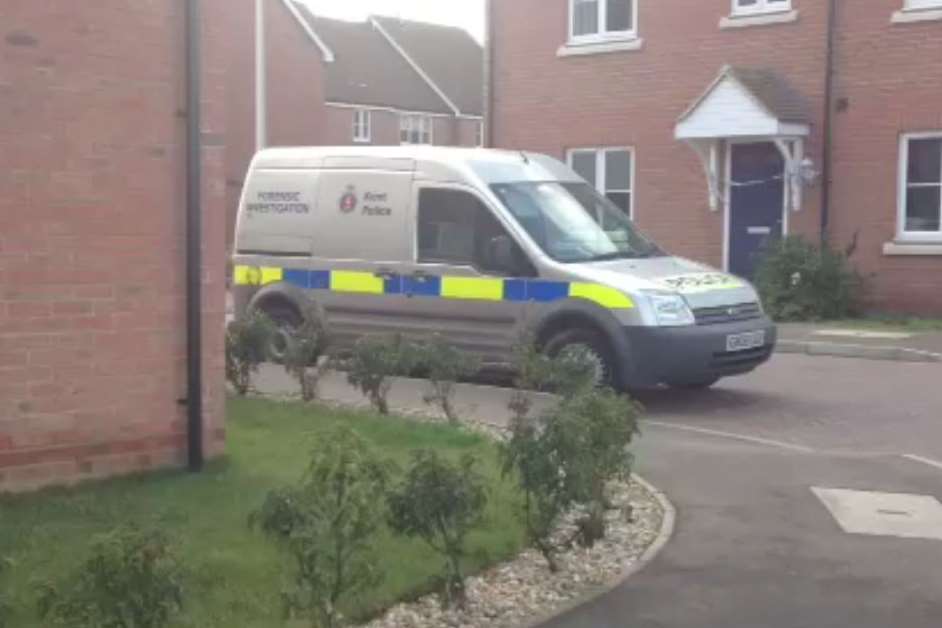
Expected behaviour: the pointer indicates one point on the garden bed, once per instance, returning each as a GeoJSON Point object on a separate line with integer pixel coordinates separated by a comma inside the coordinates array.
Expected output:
{"type": "Point", "coordinates": [234, 576]}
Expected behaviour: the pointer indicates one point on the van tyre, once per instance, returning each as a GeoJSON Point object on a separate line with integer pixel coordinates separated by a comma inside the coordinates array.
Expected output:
{"type": "Point", "coordinates": [287, 321]}
{"type": "Point", "coordinates": [595, 347]}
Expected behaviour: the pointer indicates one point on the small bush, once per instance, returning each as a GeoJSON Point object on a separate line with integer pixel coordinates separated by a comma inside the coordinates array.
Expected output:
{"type": "Point", "coordinates": [566, 458]}
{"type": "Point", "coordinates": [374, 361]}
{"type": "Point", "coordinates": [800, 281]}
{"type": "Point", "coordinates": [305, 356]}
{"type": "Point", "coordinates": [445, 367]}
{"type": "Point", "coordinates": [327, 524]}
{"type": "Point", "coordinates": [247, 343]}
{"type": "Point", "coordinates": [565, 375]}
{"type": "Point", "coordinates": [440, 503]}
{"type": "Point", "coordinates": [130, 580]}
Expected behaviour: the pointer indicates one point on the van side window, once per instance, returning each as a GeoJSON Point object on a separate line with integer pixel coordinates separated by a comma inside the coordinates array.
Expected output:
{"type": "Point", "coordinates": [454, 227]}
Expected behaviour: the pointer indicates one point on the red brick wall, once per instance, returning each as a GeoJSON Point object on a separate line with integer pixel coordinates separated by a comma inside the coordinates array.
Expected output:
{"type": "Point", "coordinates": [891, 78]}
{"type": "Point", "coordinates": [92, 168]}
{"type": "Point", "coordinates": [549, 104]}
{"type": "Point", "coordinates": [296, 110]}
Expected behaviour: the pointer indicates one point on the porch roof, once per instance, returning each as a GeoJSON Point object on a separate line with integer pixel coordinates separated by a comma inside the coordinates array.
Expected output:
{"type": "Point", "coordinates": [746, 102]}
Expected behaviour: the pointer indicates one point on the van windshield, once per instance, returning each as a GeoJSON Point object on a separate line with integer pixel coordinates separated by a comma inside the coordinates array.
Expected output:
{"type": "Point", "coordinates": [573, 223]}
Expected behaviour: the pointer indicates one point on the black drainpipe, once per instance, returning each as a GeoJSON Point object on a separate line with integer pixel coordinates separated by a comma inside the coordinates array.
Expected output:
{"type": "Point", "coordinates": [194, 238]}
{"type": "Point", "coordinates": [828, 120]}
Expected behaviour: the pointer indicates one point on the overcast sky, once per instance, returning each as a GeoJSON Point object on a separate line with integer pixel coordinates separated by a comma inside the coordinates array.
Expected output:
{"type": "Point", "coordinates": [468, 14]}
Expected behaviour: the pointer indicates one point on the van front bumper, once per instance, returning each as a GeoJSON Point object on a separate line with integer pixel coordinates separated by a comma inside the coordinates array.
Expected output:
{"type": "Point", "coordinates": [691, 355]}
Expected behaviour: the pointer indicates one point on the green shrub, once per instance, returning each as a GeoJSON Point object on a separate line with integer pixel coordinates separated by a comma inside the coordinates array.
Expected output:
{"type": "Point", "coordinates": [565, 458]}
{"type": "Point", "coordinates": [130, 580]}
{"type": "Point", "coordinates": [327, 524]}
{"type": "Point", "coordinates": [304, 357]}
{"type": "Point", "coordinates": [375, 359]}
{"type": "Point", "coordinates": [440, 503]}
{"type": "Point", "coordinates": [445, 366]}
{"type": "Point", "coordinates": [801, 281]}
{"type": "Point", "coordinates": [565, 375]}
{"type": "Point", "coordinates": [247, 344]}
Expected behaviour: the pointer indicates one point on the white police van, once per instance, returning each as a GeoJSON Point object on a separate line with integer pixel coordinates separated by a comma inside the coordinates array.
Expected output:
{"type": "Point", "coordinates": [480, 247]}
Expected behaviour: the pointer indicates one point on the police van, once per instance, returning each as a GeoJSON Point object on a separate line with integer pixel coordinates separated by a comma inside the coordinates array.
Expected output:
{"type": "Point", "coordinates": [483, 247]}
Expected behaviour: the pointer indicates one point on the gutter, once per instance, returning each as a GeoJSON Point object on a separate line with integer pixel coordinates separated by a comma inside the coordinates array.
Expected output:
{"type": "Point", "coordinates": [194, 261]}
{"type": "Point", "coordinates": [828, 148]}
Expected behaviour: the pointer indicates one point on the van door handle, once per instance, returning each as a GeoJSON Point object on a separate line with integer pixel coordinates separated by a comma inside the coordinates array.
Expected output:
{"type": "Point", "coordinates": [385, 274]}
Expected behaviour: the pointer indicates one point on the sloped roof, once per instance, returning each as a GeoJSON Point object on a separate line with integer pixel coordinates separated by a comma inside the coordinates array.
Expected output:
{"type": "Point", "coordinates": [769, 88]}
{"type": "Point", "coordinates": [449, 56]}
{"type": "Point", "coordinates": [367, 70]}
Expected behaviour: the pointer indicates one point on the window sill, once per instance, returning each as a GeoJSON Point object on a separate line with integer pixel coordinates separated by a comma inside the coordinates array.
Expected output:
{"type": "Point", "coordinates": [909, 16]}
{"type": "Point", "coordinates": [904, 248]}
{"type": "Point", "coordinates": [598, 48]}
{"type": "Point", "coordinates": [759, 19]}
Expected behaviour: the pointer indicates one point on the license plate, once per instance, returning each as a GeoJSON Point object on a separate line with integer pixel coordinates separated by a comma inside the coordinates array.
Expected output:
{"type": "Point", "coordinates": [744, 342]}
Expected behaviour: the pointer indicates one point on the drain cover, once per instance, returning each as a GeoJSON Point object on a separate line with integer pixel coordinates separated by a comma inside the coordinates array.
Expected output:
{"type": "Point", "coordinates": [884, 514]}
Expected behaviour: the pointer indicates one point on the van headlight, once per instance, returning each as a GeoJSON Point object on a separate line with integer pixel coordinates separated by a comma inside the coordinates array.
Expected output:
{"type": "Point", "coordinates": [670, 310]}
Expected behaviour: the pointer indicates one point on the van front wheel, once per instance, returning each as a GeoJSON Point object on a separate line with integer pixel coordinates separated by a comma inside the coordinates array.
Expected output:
{"type": "Point", "coordinates": [589, 344]}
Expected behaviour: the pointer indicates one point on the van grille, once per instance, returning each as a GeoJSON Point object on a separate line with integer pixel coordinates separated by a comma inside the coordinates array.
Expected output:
{"type": "Point", "coordinates": [727, 314]}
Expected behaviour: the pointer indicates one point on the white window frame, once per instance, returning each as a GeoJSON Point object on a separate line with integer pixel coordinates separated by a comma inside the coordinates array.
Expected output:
{"type": "Point", "coordinates": [411, 122]}
{"type": "Point", "coordinates": [600, 184]}
{"type": "Point", "coordinates": [920, 5]}
{"type": "Point", "coordinates": [761, 7]}
{"type": "Point", "coordinates": [362, 126]}
{"type": "Point", "coordinates": [603, 35]}
{"type": "Point", "coordinates": [479, 135]}
{"type": "Point", "coordinates": [901, 233]}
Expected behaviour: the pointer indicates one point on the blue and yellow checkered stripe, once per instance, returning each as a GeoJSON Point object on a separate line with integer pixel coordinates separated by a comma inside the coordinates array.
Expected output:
{"type": "Point", "coordinates": [446, 287]}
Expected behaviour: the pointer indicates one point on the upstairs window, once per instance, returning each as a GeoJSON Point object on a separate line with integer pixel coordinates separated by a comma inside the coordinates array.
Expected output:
{"type": "Point", "coordinates": [415, 129]}
{"type": "Point", "coordinates": [361, 126]}
{"type": "Point", "coordinates": [921, 189]}
{"type": "Point", "coordinates": [595, 20]}
{"type": "Point", "coordinates": [751, 7]}
{"type": "Point", "coordinates": [915, 5]}
{"type": "Point", "coordinates": [610, 171]}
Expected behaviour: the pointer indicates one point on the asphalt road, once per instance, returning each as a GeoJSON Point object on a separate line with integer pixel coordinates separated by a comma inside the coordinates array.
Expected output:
{"type": "Point", "coordinates": [753, 546]}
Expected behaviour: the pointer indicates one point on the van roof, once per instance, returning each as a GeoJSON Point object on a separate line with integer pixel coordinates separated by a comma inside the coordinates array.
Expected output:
{"type": "Point", "coordinates": [465, 165]}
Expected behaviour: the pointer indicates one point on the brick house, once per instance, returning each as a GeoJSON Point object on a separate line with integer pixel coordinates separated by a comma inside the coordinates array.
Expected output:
{"type": "Point", "coordinates": [384, 81]}
{"type": "Point", "coordinates": [717, 124]}
{"type": "Point", "coordinates": [93, 262]}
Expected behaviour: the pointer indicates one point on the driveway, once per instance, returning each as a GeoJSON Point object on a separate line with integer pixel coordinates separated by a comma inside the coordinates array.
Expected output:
{"type": "Point", "coordinates": [754, 546]}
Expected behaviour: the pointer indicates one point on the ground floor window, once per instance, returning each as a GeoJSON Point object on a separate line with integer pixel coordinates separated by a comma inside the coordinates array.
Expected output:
{"type": "Point", "coordinates": [921, 185]}
{"type": "Point", "coordinates": [610, 170]}
{"type": "Point", "coordinates": [415, 129]}
{"type": "Point", "coordinates": [361, 125]}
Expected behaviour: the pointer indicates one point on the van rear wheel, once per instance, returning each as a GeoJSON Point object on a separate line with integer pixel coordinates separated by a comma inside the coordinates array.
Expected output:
{"type": "Point", "coordinates": [287, 321]}
{"type": "Point", "coordinates": [589, 344]}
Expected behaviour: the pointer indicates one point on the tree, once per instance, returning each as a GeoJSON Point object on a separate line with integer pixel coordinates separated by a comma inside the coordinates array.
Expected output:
{"type": "Point", "coordinates": [247, 344]}
{"type": "Point", "coordinates": [327, 524]}
{"type": "Point", "coordinates": [305, 356]}
{"type": "Point", "coordinates": [131, 580]}
{"type": "Point", "coordinates": [445, 366]}
{"type": "Point", "coordinates": [440, 502]}
{"type": "Point", "coordinates": [374, 361]}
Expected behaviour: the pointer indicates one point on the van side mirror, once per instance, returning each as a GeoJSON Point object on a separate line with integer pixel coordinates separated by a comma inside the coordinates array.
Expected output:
{"type": "Point", "coordinates": [502, 256]}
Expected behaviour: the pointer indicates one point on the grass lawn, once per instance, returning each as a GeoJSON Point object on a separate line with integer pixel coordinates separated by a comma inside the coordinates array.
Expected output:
{"type": "Point", "coordinates": [235, 575]}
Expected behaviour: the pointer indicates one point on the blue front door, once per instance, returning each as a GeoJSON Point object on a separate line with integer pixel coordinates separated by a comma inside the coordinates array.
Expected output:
{"type": "Point", "coordinates": [756, 204]}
